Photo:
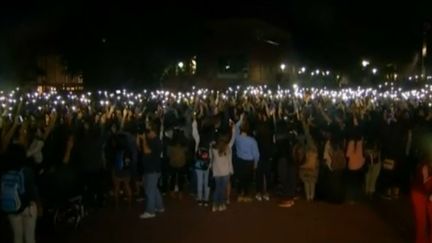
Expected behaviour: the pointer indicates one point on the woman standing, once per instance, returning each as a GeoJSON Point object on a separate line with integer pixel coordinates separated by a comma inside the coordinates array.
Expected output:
{"type": "Point", "coordinates": [19, 195]}
{"type": "Point", "coordinates": [152, 164]}
{"type": "Point", "coordinates": [421, 198]}
{"type": "Point", "coordinates": [221, 159]}
{"type": "Point", "coordinates": [373, 160]}
{"type": "Point", "coordinates": [202, 167]}
{"type": "Point", "coordinates": [309, 170]}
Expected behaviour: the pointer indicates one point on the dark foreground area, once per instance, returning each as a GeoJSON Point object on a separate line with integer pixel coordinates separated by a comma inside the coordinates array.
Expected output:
{"type": "Point", "coordinates": [380, 221]}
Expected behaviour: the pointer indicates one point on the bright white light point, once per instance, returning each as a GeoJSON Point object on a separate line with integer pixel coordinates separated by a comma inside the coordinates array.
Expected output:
{"type": "Point", "coordinates": [282, 66]}
{"type": "Point", "coordinates": [227, 67]}
{"type": "Point", "coordinates": [374, 70]}
{"type": "Point", "coordinates": [303, 69]}
{"type": "Point", "coordinates": [365, 63]}
{"type": "Point", "coordinates": [180, 64]}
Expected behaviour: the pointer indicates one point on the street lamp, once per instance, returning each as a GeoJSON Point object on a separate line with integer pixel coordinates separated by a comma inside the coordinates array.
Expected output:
{"type": "Point", "coordinates": [303, 69]}
{"type": "Point", "coordinates": [282, 66]}
{"type": "Point", "coordinates": [365, 63]}
{"type": "Point", "coordinates": [374, 71]}
{"type": "Point", "coordinates": [180, 64]}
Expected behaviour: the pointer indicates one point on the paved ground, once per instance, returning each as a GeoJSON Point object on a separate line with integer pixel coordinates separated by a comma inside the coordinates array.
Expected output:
{"type": "Point", "coordinates": [255, 222]}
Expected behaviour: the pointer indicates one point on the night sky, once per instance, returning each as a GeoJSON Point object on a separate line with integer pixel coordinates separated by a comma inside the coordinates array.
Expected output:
{"type": "Point", "coordinates": [129, 39]}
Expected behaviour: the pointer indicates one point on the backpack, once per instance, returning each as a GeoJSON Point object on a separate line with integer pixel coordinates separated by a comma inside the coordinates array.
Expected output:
{"type": "Point", "coordinates": [202, 159]}
{"type": "Point", "coordinates": [12, 190]}
{"type": "Point", "coordinates": [338, 160]}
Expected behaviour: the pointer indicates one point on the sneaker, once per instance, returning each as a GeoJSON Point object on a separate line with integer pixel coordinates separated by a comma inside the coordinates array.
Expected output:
{"type": "Point", "coordinates": [266, 197]}
{"type": "Point", "coordinates": [206, 204]}
{"type": "Point", "coordinates": [286, 204]}
{"type": "Point", "coordinates": [228, 202]}
{"type": "Point", "coordinates": [221, 208]}
{"type": "Point", "coordinates": [162, 210]}
{"type": "Point", "coordinates": [200, 203]}
{"type": "Point", "coordinates": [258, 197]}
{"type": "Point", "coordinates": [147, 215]}
{"type": "Point", "coordinates": [214, 208]}
{"type": "Point", "coordinates": [240, 199]}
{"type": "Point", "coordinates": [247, 199]}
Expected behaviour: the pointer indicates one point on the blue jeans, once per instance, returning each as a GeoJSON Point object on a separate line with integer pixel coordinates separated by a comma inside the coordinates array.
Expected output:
{"type": "Point", "coordinates": [221, 185]}
{"type": "Point", "coordinates": [202, 185]}
{"type": "Point", "coordinates": [153, 196]}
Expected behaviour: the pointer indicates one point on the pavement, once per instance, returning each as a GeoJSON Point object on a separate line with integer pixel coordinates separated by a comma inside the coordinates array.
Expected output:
{"type": "Point", "coordinates": [185, 222]}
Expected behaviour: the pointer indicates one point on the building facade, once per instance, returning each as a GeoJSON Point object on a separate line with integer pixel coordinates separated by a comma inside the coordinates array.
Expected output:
{"type": "Point", "coordinates": [54, 75]}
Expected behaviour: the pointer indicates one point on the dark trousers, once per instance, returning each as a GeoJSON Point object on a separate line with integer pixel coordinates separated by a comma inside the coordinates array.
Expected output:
{"type": "Point", "coordinates": [333, 189]}
{"type": "Point", "coordinates": [165, 176]}
{"type": "Point", "coordinates": [354, 181]}
{"type": "Point", "coordinates": [263, 176]}
{"type": "Point", "coordinates": [287, 178]}
{"type": "Point", "coordinates": [177, 178]}
{"type": "Point", "coordinates": [93, 188]}
{"type": "Point", "coordinates": [245, 176]}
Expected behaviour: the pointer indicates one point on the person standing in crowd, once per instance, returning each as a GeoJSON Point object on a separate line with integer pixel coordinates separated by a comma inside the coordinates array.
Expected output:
{"type": "Point", "coordinates": [355, 156]}
{"type": "Point", "coordinates": [289, 157]}
{"type": "Point", "coordinates": [177, 155]}
{"type": "Point", "coordinates": [119, 156]}
{"type": "Point", "coordinates": [264, 135]}
{"type": "Point", "coordinates": [35, 149]}
{"type": "Point", "coordinates": [151, 164]}
{"type": "Point", "coordinates": [392, 154]}
{"type": "Point", "coordinates": [221, 162]}
{"type": "Point", "coordinates": [309, 170]}
{"type": "Point", "coordinates": [19, 195]}
{"type": "Point", "coordinates": [88, 152]}
{"type": "Point", "coordinates": [421, 198]}
{"type": "Point", "coordinates": [202, 167]}
{"type": "Point", "coordinates": [373, 161]}
{"type": "Point", "coordinates": [247, 158]}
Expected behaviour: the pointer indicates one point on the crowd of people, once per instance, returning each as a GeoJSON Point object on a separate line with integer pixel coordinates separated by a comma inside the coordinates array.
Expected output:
{"type": "Point", "coordinates": [334, 145]}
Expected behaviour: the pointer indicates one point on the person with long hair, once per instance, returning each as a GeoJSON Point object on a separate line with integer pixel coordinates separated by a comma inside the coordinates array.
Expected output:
{"type": "Point", "coordinates": [22, 210]}
{"type": "Point", "coordinates": [221, 161]}
{"type": "Point", "coordinates": [152, 164]}
{"type": "Point", "coordinates": [309, 169]}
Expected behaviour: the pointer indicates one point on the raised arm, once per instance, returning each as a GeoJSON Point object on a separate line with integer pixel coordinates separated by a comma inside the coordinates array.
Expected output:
{"type": "Point", "coordinates": [238, 124]}
{"type": "Point", "coordinates": [50, 126]}
{"type": "Point", "coordinates": [69, 146]}
{"type": "Point", "coordinates": [123, 121]}
{"type": "Point", "coordinates": [256, 154]}
{"type": "Point", "coordinates": [8, 136]}
{"type": "Point", "coordinates": [233, 135]}
{"type": "Point", "coordinates": [195, 134]}
{"type": "Point", "coordinates": [306, 130]}
{"type": "Point", "coordinates": [324, 114]}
